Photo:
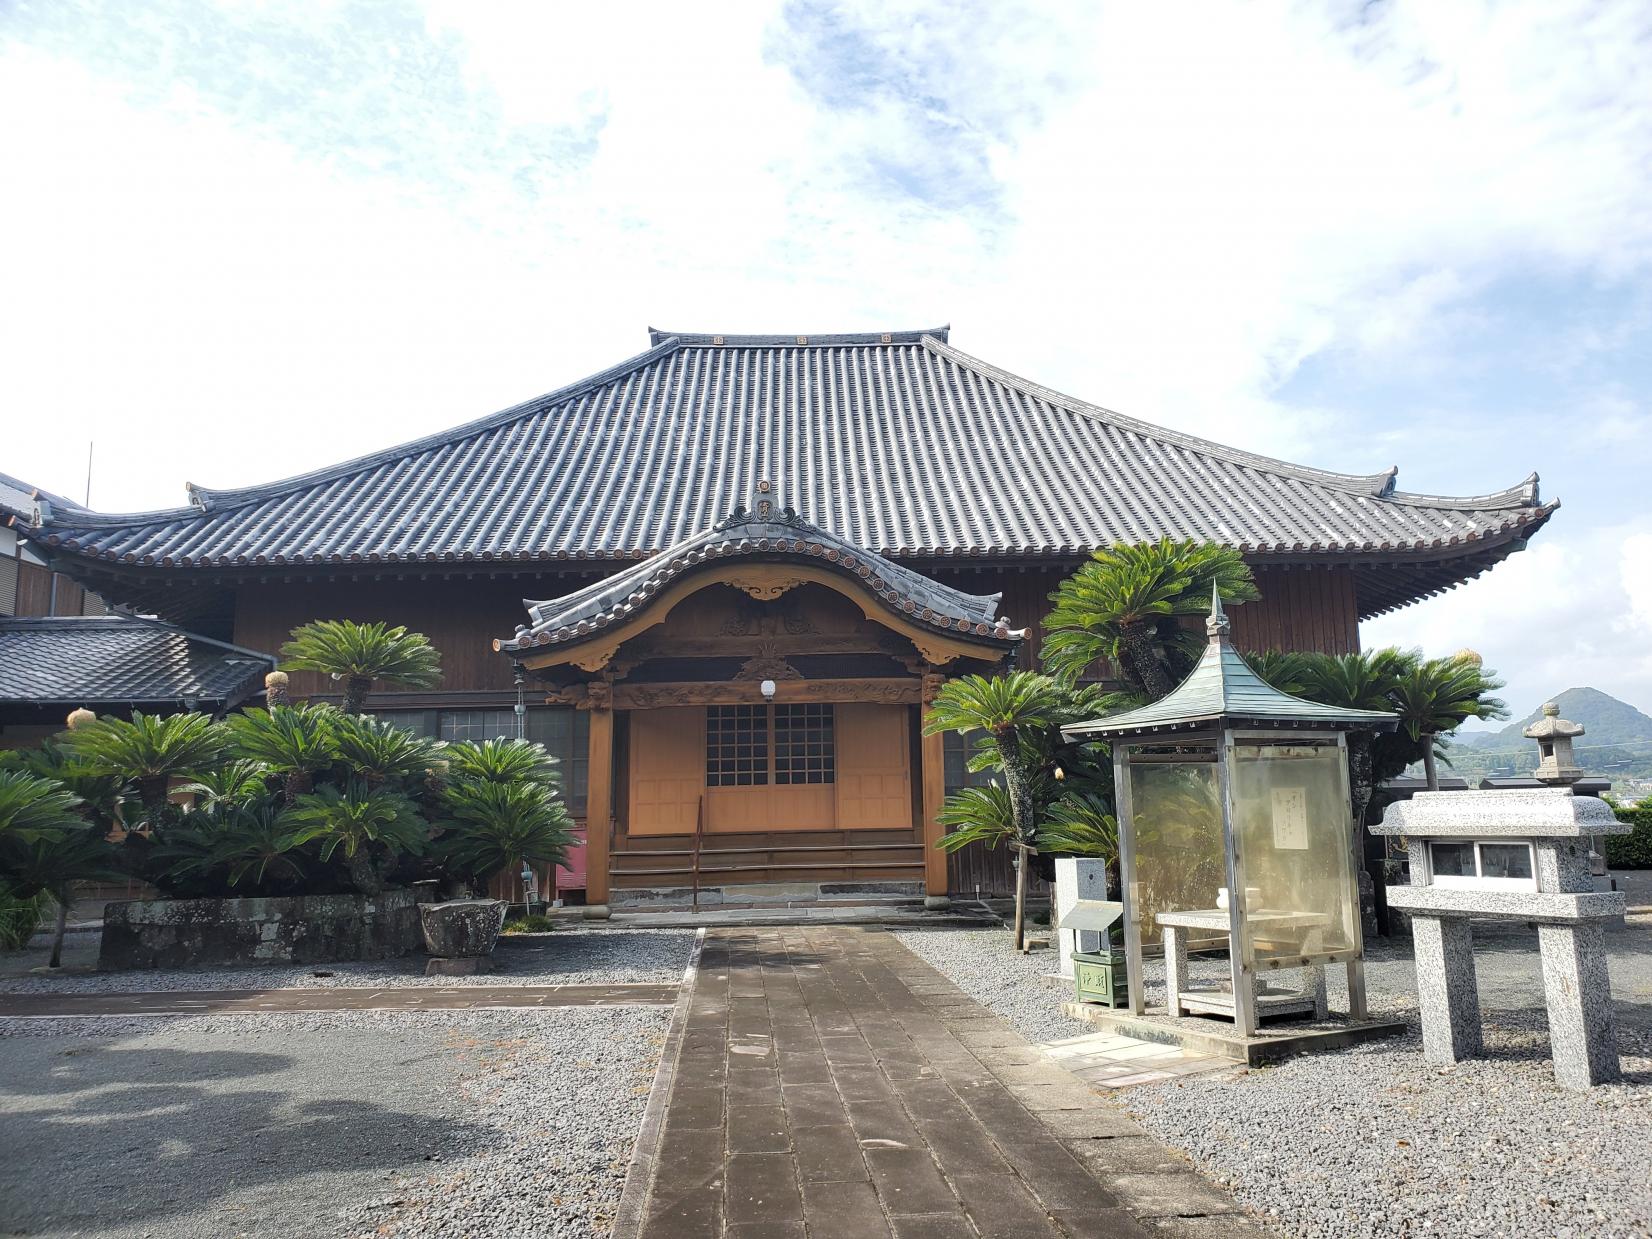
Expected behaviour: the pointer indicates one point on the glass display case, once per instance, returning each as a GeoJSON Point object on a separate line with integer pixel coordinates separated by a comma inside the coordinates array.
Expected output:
{"type": "Point", "coordinates": [1235, 833]}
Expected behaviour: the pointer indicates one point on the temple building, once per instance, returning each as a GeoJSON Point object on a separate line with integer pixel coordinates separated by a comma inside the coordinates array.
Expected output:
{"type": "Point", "coordinates": [725, 575]}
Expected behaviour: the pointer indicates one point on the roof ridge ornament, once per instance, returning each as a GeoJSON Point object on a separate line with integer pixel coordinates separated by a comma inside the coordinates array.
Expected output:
{"type": "Point", "coordinates": [1218, 625]}
{"type": "Point", "coordinates": [764, 505]}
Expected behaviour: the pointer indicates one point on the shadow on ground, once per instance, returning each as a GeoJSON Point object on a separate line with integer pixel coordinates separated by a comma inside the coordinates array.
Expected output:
{"type": "Point", "coordinates": [103, 1137]}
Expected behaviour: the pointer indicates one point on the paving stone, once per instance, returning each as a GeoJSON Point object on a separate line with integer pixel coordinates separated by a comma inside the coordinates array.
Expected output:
{"type": "Point", "coordinates": [933, 1226]}
{"type": "Point", "coordinates": [762, 1187]}
{"type": "Point", "coordinates": [908, 1181]}
{"type": "Point", "coordinates": [767, 1230]}
{"type": "Point", "coordinates": [1002, 1208]}
{"type": "Point", "coordinates": [813, 1105]}
{"type": "Point", "coordinates": [844, 1209]}
{"type": "Point", "coordinates": [829, 1154]}
{"type": "Point", "coordinates": [863, 1084]}
{"type": "Point", "coordinates": [1228, 1226]}
{"type": "Point", "coordinates": [1093, 1122]}
{"type": "Point", "coordinates": [883, 1122]}
{"type": "Point", "coordinates": [754, 1088]}
{"type": "Point", "coordinates": [695, 1107]}
{"type": "Point", "coordinates": [1127, 1155]}
{"type": "Point", "coordinates": [963, 1148]}
{"type": "Point", "coordinates": [758, 1129]}
{"type": "Point", "coordinates": [1103, 1224]}
{"type": "Point", "coordinates": [1060, 1180]}
{"type": "Point", "coordinates": [1180, 1194]}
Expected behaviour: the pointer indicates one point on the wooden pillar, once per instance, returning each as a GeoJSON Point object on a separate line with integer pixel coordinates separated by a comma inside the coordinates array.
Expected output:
{"type": "Point", "coordinates": [933, 753]}
{"type": "Point", "coordinates": [599, 802]}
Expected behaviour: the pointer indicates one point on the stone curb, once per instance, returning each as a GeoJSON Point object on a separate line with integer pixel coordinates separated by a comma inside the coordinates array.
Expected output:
{"type": "Point", "coordinates": [639, 1179]}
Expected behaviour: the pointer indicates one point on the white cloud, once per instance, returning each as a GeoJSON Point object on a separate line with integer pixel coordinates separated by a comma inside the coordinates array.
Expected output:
{"type": "Point", "coordinates": [257, 240]}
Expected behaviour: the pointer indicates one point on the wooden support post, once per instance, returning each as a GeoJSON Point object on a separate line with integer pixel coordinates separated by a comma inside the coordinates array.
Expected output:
{"type": "Point", "coordinates": [933, 753]}
{"type": "Point", "coordinates": [599, 807]}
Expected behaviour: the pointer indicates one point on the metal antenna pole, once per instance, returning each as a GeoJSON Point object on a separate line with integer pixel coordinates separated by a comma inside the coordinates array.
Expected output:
{"type": "Point", "coordinates": [90, 444]}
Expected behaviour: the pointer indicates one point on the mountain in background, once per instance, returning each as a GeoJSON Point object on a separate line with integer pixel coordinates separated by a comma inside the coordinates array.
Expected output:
{"type": "Point", "coordinates": [1617, 743]}
{"type": "Point", "coordinates": [1606, 720]}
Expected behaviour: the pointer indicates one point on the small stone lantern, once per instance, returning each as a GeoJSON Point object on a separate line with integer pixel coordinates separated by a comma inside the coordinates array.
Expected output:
{"type": "Point", "coordinates": [1517, 855]}
{"type": "Point", "coordinates": [1554, 736]}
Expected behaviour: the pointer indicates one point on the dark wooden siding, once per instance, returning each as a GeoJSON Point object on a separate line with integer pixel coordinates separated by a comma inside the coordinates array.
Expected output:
{"type": "Point", "coordinates": [1300, 609]}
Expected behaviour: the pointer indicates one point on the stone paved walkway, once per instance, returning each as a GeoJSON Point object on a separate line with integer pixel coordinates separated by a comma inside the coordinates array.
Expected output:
{"type": "Point", "coordinates": [340, 998]}
{"type": "Point", "coordinates": [829, 1083]}
{"type": "Point", "coordinates": [1109, 1061]}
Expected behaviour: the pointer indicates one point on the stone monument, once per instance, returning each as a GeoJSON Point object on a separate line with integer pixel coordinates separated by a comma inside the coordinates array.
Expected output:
{"type": "Point", "coordinates": [1076, 878]}
{"type": "Point", "coordinates": [1513, 855]}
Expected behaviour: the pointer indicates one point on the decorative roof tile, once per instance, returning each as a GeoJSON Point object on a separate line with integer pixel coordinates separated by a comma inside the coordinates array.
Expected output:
{"type": "Point", "coordinates": [766, 533]}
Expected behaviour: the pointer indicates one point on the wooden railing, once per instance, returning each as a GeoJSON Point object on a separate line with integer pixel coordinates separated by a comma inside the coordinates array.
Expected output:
{"type": "Point", "coordinates": [699, 838]}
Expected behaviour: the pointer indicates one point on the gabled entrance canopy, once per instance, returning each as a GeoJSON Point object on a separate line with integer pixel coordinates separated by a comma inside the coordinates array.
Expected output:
{"type": "Point", "coordinates": [764, 550]}
{"type": "Point", "coordinates": [761, 685]}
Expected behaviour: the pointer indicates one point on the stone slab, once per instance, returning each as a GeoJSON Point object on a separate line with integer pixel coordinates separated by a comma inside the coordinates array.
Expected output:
{"type": "Point", "coordinates": [1222, 1040]}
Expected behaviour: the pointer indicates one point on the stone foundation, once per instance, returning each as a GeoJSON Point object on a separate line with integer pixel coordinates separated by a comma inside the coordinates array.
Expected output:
{"type": "Point", "coordinates": [312, 929]}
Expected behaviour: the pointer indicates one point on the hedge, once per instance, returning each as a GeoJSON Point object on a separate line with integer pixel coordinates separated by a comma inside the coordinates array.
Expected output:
{"type": "Point", "coordinates": [1633, 850]}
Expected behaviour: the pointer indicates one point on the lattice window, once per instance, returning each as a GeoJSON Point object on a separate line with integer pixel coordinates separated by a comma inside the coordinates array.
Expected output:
{"type": "Point", "coordinates": [737, 746]}
{"type": "Point", "coordinates": [804, 746]}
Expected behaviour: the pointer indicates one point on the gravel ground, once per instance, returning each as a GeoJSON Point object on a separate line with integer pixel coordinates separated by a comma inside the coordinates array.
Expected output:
{"type": "Point", "coordinates": [324, 1124]}
{"type": "Point", "coordinates": [575, 956]}
{"type": "Point", "coordinates": [1373, 1140]}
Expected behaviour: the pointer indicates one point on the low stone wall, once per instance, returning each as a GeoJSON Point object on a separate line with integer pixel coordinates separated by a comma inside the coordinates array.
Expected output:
{"type": "Point", "coordinates": [312, 929]}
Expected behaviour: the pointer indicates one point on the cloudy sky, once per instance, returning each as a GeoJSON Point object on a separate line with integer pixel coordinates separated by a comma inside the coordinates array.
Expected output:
{"type": "Point", "coordinates": [247, 239]}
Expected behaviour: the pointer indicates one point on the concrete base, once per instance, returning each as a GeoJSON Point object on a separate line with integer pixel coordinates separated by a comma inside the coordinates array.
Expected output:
{"type": "Point", "coordinates": [595, 912]}
{"type": "Point", "coordinates": [1221, 1040]}
{"type": "Point", "coordinates": [763, 894]}
{"type": "Point", "coordinates": [467, 966]}
{"type": "Point", "coordinates": [936, 903]}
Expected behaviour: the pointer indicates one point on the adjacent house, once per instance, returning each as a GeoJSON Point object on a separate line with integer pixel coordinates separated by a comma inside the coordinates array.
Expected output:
{"type": "Point", "coordinates": [723, 577]}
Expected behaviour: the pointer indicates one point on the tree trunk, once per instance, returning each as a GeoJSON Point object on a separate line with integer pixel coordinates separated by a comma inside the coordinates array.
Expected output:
{"type": "Point", "coordinates": [152, 791]}
{"type": "Point", "coordinates": [1023, 816]}
{"type": "Point", "coordinates": [1142, 655]}
{"type": "Point", "coordinates": [1361, 766]}
{"type": "Point", "coordinates": [56, 960]}
{"type": "Point", "coordinates": [1429, 767]}
{"type": "Point", "coordinates": [297, 783]}
{"type": "Point", "coordinates": [355, 693]}
{"type": "Point", "coordinates": [363, 875]}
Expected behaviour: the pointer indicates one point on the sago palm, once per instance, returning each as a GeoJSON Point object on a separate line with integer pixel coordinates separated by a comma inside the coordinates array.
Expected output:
{"type": "Point", "coordinates": [369, 827]}
{"type": "Point", "coordinates": [1126, 603]}
{"type": "Point", "coordinates": [295, 742]}
{"type": "Point", "coordinates": [150, 751]}
{"type": "Point", "coordinates": [1367, 680]}
{"type": "Point", "coordinates": [1018, 712]}
{"type": "Point", "coordinates": [497, 825]}
{"type": "Point", "coordinates": [1436, 696]}
{"type": "Point", "coordinates": [1080, 824]}
{"type": "Point", "coordinates": [32, 808]}
{"type": "Point", "coordinates": [500, 761]}
{"type": "Point", "coordinates": [52, 864]}
{"type": "Point", "coordinates": [233, 784]}
{"type": "Point", "coordinates": [357, 654]}
{"type": "Point", "coordinates": [376, 751]}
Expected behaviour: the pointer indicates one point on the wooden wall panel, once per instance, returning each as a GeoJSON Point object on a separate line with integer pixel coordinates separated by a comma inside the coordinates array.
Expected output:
{"type": "Point", "coordinates": [1300, 609]}
{"type": "Point", "coordinates": [667, 761]}
{"type": "Point", "coordinates": [874, 776]}
{"type": "Point", "coordinates": [460, 616]}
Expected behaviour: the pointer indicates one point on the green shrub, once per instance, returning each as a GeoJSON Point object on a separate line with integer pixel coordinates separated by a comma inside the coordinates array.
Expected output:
{"type": "Point", "coordinates": [20, 916]}
{"type": "Point", "coordinates": [1633, 850]}
{"type": "Point", "coordinates": [534, 924]}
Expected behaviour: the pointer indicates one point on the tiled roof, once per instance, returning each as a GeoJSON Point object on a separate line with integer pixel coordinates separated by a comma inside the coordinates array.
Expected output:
{"type": "Point", "coordinates": [121, 660]}
{"type": "Point", "coordinates": [1224, 687]}
{"type": "Point", "coordinates": [896, 443]}
{"type": "Point", "coordinates": [763, 534]}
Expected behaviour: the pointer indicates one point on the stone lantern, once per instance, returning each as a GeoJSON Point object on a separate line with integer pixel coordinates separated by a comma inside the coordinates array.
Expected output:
{"type": "Point", "coordinates": [1554, 736]}
{"type": "Point", "coordinates": [1235, 830]}
{"type": "Point", "coordinates": [1518, 856]}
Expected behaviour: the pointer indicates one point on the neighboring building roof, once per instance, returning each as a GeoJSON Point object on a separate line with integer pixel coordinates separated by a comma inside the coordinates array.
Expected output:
{"type": "Point", "coordinates": [897, 443]}
{"type": "Point", "coordinates": [121, 660]}
{"type": "Point", "coordinates": [763, 533]}
{"type": "Point", "coordinates": [1224, 688]}
{"type": "Point", "coordinates": [19, 499]}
